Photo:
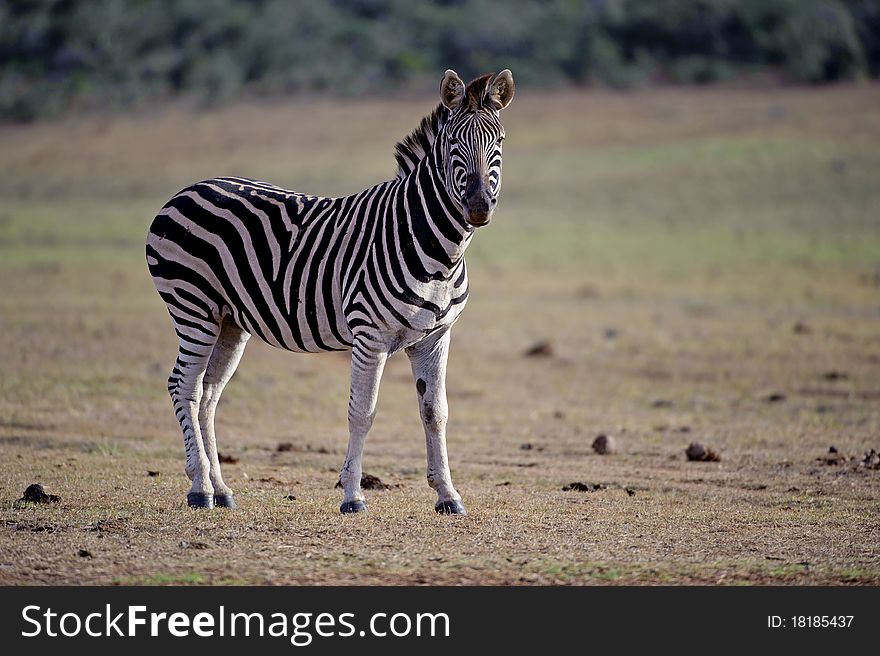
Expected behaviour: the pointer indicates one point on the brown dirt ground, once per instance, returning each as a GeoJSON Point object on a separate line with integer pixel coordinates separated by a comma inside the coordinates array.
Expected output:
{"type": "Point", "coordinates": [666, 243]}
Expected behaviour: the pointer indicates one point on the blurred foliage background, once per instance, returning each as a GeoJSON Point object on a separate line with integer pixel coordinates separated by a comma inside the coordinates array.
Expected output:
{"type": "Point", "coordinates": [62, 55]}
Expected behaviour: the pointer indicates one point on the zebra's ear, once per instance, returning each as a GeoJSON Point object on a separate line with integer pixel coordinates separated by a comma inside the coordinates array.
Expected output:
{"type": "Point", "coordinates": [451, 89]}
{"type": "Point", "coordinates": [500, 91]}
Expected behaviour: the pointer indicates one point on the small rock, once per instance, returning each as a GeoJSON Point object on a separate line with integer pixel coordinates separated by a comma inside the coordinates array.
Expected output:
{"type": "Point", "coordinates": [699, 453]}
{"type": "Point", "coordinates": [502, 484]}
{"type": "Point", "coordinates": [369, 482]}
{"type": "Point", "coordinates": [152, 474]}
{"type": "Point", "coordinates": [577, 486]}
{"type": "Point", "coordinates": [227, 459]}
{"type": "Point", "coordinates": [630, 491]}
{"type": "Point", "coordinates": [871, 460]}
{"type": "Point", "coordinates": [85, 553]}
{"type": "Point", "coordinates": [289, 497]}
{"type": "Point", "coordinates": [661, 403]}
{"type": "Point", "coordinates": [835, 375]}
{"type": "Point", "coordinates": [801, 328]}
{"type": "Point", "coordinates": [283, 447]}
{"type": "Point", "coordinates": [36, 494]}
{"type": "Point", "coordinates": [611, 333]}
{"type": "Point", "coordinates": [775, 397]}
{"type": "Point", "coordinates": [542, 349]}
{"type": "Point", "coordinates": [526, 446]}
{"type": "Point", "coordinates": [604, 445]}
{"type": "Point", "coordinates": [833, 457]}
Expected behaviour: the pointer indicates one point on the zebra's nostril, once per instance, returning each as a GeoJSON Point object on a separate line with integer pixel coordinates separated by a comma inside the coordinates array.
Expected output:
{"type": "Point", "coordinates": [494, 201]}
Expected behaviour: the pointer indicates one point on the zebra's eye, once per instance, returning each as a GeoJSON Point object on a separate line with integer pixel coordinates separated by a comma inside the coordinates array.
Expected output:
{"type": "Point", "coordinates": [500, 139]}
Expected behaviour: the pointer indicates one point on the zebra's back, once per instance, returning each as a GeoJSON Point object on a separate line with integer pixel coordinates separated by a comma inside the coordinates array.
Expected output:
{"type": "Point", "coordinates": [262, 255]}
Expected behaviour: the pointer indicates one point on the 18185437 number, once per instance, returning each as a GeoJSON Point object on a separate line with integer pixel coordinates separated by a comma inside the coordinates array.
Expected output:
{"type": "Point", "coordinates": [810, 621]}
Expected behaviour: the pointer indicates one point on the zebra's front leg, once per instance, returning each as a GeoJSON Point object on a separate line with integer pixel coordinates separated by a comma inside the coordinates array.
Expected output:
{"type": "Point", "coordinates": [428, 359]}
{"type": "Point", "coordinates": [367, 365]}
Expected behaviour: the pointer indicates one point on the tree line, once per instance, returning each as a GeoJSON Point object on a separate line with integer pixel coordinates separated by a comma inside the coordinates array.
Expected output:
{"type": "Point", "coordinates": [63, 55]}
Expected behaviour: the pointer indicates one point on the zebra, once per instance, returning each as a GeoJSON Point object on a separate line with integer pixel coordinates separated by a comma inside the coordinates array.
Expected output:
{"type": "Point", "coordinates": [373, 273]}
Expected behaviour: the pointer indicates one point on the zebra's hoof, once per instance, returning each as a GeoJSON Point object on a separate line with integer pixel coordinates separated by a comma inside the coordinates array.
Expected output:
{"type": "Point", "coordinates": [355, 506]}
{"type": "Point", "coordinates": [199, 500]}
{"type": "Point", "coordinates": [224, 501]}
{"type": "Point", "coordinates": [450, 508]}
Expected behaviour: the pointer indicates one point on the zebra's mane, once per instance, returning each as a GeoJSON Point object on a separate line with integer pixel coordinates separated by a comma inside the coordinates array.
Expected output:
{"type": "Point", "coordinates": [415, 146]}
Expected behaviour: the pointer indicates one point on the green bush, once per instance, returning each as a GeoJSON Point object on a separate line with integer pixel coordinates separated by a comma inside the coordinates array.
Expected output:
{"type": "Point", "coordinates": [820, 44]}
{"type": "Point", "coordinates": [57, 55]}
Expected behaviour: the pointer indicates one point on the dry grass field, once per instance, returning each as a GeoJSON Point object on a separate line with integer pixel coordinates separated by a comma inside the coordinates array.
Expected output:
{"type": "Point", "coordinates": [705, 265]}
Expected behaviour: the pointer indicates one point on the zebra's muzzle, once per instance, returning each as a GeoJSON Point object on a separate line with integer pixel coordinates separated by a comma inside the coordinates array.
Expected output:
{"type": "Point", "coordinates": [478, 219]}
{"type": "Point", "coordinates": [478, 210]}
{"type": "Point", "coordinates": [477, 203]}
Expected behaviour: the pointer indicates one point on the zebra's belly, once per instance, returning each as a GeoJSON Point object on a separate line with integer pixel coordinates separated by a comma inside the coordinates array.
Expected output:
{"type": "Point", "coordinates": [295, 334]}
{"type": "Point", "coordinates": [394, 334]}
{"type": "Point", "coordinates": [316, 333]}
{"type": "Point", "coordinates": [310, 323]}
{"type": "Point", "coordinates": [314, 320]}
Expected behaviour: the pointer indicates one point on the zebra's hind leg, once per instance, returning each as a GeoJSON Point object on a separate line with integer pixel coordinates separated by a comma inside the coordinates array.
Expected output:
{"type": "Point", "coordinates": [222, 364]}
{"type": "Point", "coordinates": [185, 388]}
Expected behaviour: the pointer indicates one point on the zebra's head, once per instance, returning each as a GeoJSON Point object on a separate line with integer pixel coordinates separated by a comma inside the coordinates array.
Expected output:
{"type": "Point", "coordinates": [472, 138]}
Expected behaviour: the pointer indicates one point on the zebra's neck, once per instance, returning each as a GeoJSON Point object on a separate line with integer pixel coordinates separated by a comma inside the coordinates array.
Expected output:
{"type": "Point", "coordinates": [429, 217]}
